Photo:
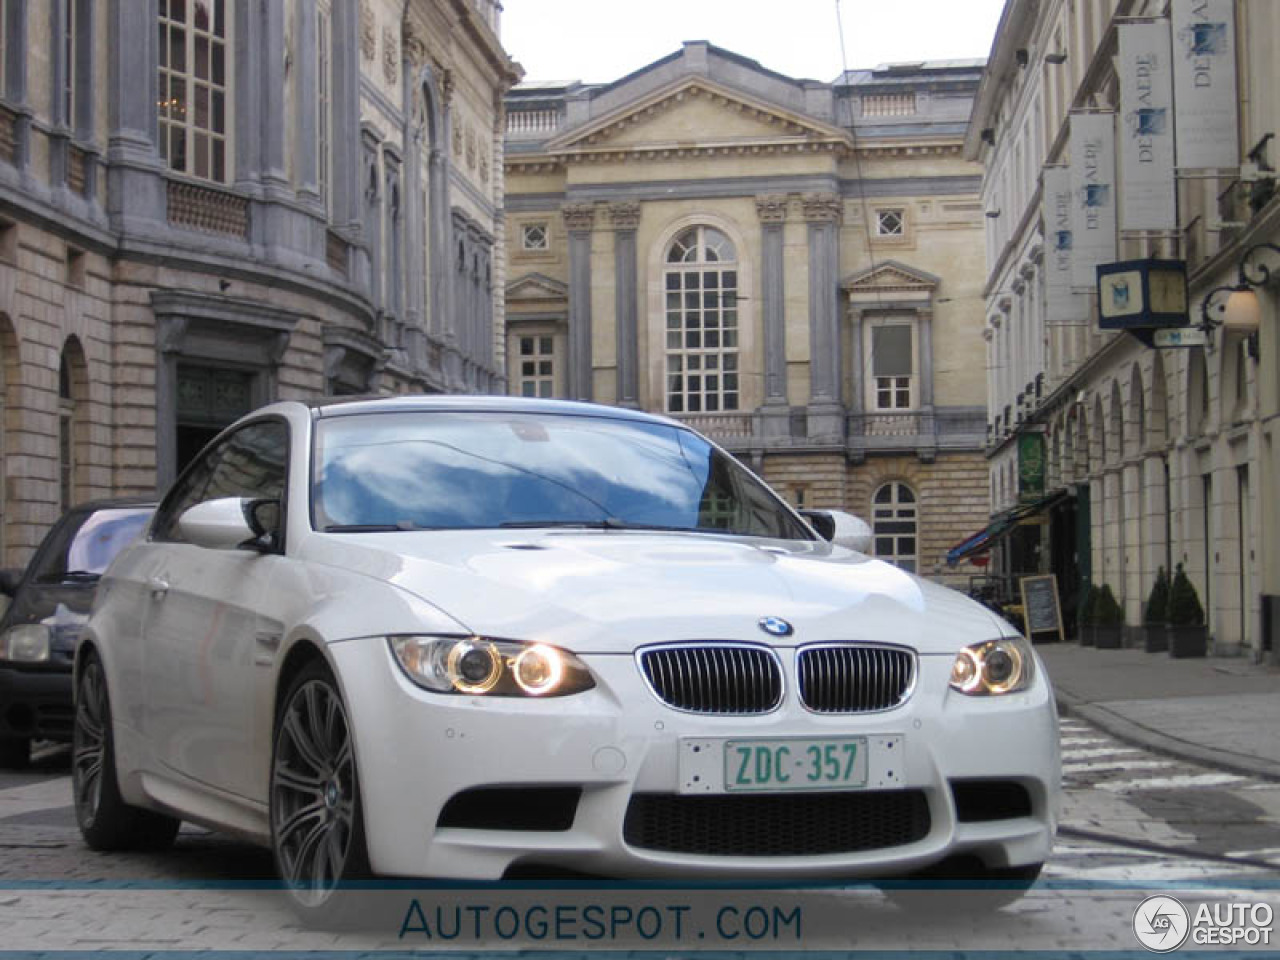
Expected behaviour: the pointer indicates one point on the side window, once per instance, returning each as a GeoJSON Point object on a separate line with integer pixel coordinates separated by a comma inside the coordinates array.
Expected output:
{"type": "Point", "coordinates": [249, 463]}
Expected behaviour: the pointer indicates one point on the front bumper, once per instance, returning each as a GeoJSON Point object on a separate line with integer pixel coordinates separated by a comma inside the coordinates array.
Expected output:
{"type": "Point", "coordinates": [35, 703]}
{"type": "Point", "coordinates": [616, 749]}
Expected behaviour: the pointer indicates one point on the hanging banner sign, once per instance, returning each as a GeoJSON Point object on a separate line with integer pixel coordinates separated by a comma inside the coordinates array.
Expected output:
{"type": "Point", "coordinates": [1093, 195]}
{"type": "Point", "coordinates": [1204, 83]}
{"type": "Point", "coordinates": [1148, 198]}
{"type": "Point", "coordinates": [1056, 213]}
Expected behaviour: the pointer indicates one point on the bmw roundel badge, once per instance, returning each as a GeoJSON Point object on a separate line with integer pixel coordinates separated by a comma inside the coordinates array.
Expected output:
{"type": "Point", "coordinates": [776, 627]}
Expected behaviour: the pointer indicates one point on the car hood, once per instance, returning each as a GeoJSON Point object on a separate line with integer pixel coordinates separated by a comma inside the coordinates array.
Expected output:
{"type": "Point", "coordinates": [612, 591]}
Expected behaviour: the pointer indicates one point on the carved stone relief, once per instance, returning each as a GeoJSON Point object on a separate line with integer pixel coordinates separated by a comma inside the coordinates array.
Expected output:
{"type": "Point", "coordinates": [368, 31]}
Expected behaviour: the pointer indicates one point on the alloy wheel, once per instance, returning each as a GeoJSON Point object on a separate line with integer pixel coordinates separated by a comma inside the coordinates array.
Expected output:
{"type": "Point", "coordinates": [89, 743]}
{"type": "Point", "coordinates": [313, 792]}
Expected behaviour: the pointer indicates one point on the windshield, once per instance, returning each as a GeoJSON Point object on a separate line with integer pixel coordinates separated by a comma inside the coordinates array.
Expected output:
{"type": "Point", "coordinates": [87, 549]}
{"type": "Point", "coordinates": [455, 470]}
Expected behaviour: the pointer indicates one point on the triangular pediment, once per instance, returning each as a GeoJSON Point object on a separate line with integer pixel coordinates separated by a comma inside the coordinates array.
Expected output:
{"type": "Point", "coordinates": [695, 112]}
{"type": "Point", "coordinates": [537, 286]}
{"type": "Point", "coordinates": [890, 276]}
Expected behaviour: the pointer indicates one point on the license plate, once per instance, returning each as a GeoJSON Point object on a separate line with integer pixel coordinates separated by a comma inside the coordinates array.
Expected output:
{"type": "Point", "coordinates": [775, 765]}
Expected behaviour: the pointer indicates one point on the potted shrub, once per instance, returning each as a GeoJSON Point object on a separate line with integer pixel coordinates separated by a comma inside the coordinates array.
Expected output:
{"type": "Point", "coordinates": [1187, 634]}
{"type": "Point", "coordinates": [1084, 616]}
{"type": "Point", "coordinates": [1155, 638]}
{"type": "Point", "coordinates": [1108, 618]}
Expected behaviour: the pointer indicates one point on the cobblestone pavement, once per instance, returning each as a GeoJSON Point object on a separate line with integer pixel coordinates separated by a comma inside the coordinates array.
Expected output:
{"type": "Point", "coordinates": [1135, 823]}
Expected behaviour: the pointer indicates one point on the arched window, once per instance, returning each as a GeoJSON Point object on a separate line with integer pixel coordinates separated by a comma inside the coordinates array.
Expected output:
{"type": "Point", "coordinates": [702, 322]}
{"type": "Point", "coordinates": [894, 523]}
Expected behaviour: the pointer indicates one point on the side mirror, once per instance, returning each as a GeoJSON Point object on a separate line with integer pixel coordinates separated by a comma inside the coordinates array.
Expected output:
{"type": "Point", "coordinates": [842, 529]}
{"type": "Point", "coordinates": [231, 522]}
{"type": "Point", "coordinates": [9, 580]}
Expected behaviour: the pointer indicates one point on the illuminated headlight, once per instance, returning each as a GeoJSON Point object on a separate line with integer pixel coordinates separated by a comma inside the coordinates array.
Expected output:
{"type": "Point", "coordinates": [499, 668]}
{"type": "Point", "coordinates": [28, 642]}
{"type": "Point", "coordinates": [994, 667]}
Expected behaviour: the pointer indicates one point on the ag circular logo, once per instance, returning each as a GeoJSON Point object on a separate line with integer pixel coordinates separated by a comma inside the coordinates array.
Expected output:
{"type": "Point", "coordinates": [775, 626]}
{"type": "Point", "coordinates": [1161, 924]}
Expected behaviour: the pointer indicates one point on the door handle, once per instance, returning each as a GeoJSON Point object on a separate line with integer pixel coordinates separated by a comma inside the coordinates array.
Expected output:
{"type": "Point", "coordinates": [158, 587]}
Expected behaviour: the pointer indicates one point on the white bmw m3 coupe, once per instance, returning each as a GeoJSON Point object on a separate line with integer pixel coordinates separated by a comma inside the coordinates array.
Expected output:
{"type": "Point", "coordinates": [481, 638]}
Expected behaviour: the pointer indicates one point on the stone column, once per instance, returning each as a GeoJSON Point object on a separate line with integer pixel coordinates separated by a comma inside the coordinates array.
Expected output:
{"type": "Point", "coordinates": [306, 112]}
{"type": "Point", "coordinates": [826, 413]}
{"type": "Point", "coordinates": [580, 218]}
{"type": "Point", "coordinates": [928, 429]}
{"type": "Point", "coordinates": [135, 189]}
{"type": "Point", "coordinates": [776, 413]}
{"type": "Point", "coordinates": [1131, 579]}
{"type": "Point", "coordinates": [625, 218]}
{"type": "Point", "coordinates": [344, 91]}
{"type": "Point", "coordinates": [272, 132]}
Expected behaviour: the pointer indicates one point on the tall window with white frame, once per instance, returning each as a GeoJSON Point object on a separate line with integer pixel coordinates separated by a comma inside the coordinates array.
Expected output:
{"type": "Point", "coordinates": [891, 358]}
{"type": "Point", "coordinates": [324, 100]}
{"type": "Point", "coordinates": [195, 87]}
{"type": "Point", "coordinates": [894, 525]}
{"type": "Point", "coordinates": [536, 373]}
{"type": "Point", "coordinates": [701, 322]}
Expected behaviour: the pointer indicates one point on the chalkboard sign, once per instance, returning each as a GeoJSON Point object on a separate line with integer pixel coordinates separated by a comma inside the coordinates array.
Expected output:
{"type": "Point", "coordinates": [1040, 606]}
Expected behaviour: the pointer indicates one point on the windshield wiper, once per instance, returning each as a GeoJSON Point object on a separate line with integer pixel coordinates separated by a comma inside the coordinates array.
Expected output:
{"type": "Point", "coordinates": [403, 525]}
{"type": "Point", "coordinates": [608, 523]}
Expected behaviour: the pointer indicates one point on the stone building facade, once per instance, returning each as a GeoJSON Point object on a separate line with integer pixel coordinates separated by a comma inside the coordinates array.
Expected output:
{"type": "Point", "coordinates": [1154, 456]}
{"type": "Point", "coordinates": [792, 267]}
{"type": "Point", "coordinates": [209, 204]}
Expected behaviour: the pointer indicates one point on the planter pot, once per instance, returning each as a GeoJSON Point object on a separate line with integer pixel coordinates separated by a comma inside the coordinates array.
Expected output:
{"type": "Point", "coordinates": [1155, 637]}
{"type": "Point", "coordinates": [1187, 641]}
{"type": "Point", "coordinates": [1108, 636]}
{"type": "Point", "coordinates": [1084, 634]}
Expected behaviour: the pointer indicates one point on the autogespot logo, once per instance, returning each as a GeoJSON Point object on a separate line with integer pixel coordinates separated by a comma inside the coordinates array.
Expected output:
{"type": "Point", "coordinates": [1161, 924]}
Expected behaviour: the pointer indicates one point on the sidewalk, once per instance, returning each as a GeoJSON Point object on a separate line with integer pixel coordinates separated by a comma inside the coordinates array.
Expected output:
{"type": "Point", "coordinates": [1219, 711]}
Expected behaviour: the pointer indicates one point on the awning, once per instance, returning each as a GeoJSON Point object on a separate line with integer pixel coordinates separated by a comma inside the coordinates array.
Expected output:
{"type": "Point", "coordinates": [988, 536]}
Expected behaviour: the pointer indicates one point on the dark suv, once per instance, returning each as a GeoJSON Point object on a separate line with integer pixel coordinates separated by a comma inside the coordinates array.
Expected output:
{"type": "Point", "coordinates": [41, 625]}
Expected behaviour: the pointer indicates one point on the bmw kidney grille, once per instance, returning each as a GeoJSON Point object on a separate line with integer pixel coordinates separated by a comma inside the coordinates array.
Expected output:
{"type": "Point", "coordinates": [852, 678]}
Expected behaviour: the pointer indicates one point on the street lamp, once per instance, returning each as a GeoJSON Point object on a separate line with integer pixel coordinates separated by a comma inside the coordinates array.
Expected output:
{"type": "Point", "coordinates": [1239, 312]}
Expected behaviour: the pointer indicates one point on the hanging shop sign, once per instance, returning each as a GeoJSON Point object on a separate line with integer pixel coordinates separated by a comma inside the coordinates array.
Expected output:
{"type": "Point", "coordinates": [1142, 294]}
{"type": "Point", "coordinates": [1031, 463]}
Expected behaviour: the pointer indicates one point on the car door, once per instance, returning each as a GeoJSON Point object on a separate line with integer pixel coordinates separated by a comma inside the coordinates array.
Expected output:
{"type": "Point", "coordinates": [211, 629]}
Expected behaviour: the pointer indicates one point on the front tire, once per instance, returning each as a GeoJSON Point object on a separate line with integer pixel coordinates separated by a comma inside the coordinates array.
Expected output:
{"type": "Point", "coordinates": [106, 821]}
{"type": "Point", "coordinates": [317, 820]}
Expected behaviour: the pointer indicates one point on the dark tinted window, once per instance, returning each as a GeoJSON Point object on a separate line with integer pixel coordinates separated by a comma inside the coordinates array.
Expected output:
{"type": "Point", "coordinates": [248, 463]}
